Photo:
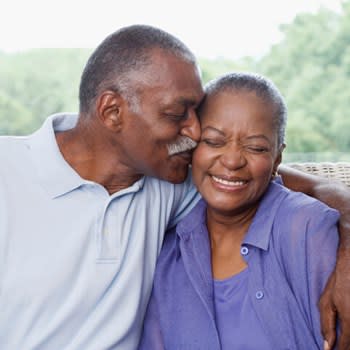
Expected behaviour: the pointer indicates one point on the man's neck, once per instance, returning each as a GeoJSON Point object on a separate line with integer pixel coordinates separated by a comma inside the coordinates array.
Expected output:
{"type": "Point", "coordinates": [93, 160]}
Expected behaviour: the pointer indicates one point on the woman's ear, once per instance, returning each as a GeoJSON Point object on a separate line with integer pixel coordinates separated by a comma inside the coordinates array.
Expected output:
{"type": "Point", "coordinates": [109, 110]}
{"type": "Point", "coordinates": [278, 160]}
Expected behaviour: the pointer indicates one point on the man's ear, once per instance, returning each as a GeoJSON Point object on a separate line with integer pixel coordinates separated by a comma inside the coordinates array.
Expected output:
{"type": "Point", "coordinates": [109, 110]}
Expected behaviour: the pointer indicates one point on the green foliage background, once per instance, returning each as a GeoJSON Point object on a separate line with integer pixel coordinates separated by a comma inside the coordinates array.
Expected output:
{"type": "Point", "coordinates": [311, 67]}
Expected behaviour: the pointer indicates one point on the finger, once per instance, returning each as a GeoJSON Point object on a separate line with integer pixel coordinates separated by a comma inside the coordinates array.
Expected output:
{"type": "Point", "coordinates": [344, 343]}
{"type": "Point", "coordinates": [328, 315]}
{"type": "Point", "coordinates": [344, 338]}
{"type": "Point", "coordinates": [328, 329]}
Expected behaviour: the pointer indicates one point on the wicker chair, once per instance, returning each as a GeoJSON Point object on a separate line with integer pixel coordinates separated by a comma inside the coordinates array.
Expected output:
{"type": "Point", "coordinates": [339, 171]}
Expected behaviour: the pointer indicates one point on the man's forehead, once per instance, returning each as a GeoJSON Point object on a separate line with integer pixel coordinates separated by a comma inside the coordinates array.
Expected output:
{"type": "Point", "coordinates": [171, 82]}
{"type": "Point", "coordinates": [184, 100]}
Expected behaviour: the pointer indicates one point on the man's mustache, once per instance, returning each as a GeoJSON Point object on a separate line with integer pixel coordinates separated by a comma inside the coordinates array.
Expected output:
{"type": "Point", "coordinates": [182, 144]}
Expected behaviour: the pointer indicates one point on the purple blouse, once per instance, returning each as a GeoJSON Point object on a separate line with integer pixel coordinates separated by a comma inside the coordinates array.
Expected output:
{"type": "Point", "coordinates": [290, 249]}
{"type": "Point", "coordinates": [237, 323]}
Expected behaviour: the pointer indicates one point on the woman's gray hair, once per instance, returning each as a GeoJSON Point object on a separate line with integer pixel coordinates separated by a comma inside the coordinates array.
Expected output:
{"type": "Point", "coordinates": [262, 87]}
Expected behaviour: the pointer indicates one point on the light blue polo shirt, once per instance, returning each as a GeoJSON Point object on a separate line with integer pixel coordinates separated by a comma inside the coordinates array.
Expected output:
{"type": "Point", "coordinates": [76, 264]}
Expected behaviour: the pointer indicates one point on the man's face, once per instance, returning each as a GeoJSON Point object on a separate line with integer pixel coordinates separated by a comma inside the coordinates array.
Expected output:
{"type": "Point", "coordinates": [157, 133]}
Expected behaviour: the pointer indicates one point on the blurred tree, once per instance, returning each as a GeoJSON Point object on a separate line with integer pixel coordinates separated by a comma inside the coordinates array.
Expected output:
{"type": "Point", "coordinates": [14, 118]}
{"type": "Point", "coordinates": [311, 67]}
{"type": "Point", "coordinates": [214, 68]}
{"type": "Point", "coordinates": [42, 82]}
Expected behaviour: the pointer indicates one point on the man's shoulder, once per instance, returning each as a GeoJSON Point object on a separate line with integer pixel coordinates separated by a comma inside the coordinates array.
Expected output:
{"type": "Point", "coordinates": [11, 145]}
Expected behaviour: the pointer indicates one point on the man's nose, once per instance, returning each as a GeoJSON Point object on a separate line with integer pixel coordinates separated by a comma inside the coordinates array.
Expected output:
{"type": "Point", "coordinates": [191, 127]}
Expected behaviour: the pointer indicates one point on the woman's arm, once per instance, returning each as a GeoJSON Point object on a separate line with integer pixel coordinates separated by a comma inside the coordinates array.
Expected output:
{"type": "Point", "coordinates": [335, 300]}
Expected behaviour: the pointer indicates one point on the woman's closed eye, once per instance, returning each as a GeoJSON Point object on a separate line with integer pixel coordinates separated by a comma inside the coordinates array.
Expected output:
{"type": "Point", "coordinates": [213, 142]}
{"type": "Point", "coordinates": [257, 149]}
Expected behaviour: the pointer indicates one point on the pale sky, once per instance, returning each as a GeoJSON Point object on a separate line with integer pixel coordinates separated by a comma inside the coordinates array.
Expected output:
{"type": "Point", "coordinates": [211, 28]}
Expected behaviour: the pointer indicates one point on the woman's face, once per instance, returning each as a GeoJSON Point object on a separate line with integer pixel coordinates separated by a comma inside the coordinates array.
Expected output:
{"type": "Point", "coordinates": [238, 151]}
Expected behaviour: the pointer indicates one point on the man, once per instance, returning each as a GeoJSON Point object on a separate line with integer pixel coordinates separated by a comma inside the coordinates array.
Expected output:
{"type": "Point", "coordinates": [85, 201]}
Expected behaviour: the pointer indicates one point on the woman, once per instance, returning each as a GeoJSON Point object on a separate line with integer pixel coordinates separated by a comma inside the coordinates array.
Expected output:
{"type": "Point", "coordinates": [245, 269]}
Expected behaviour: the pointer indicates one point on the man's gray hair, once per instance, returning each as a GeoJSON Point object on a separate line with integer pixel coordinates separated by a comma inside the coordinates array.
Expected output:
{"type": "Point", "coordinates": [262, 87]}
{"type": "Point", "coordinates": [121, 53]}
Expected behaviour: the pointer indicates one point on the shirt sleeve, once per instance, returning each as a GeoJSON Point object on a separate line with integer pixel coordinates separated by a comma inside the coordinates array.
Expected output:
{"type": "Point", "coordinates": [186, 198]}
{"type": "Point", "coordinates": [322, 239]}
{"type": "Point", "coordinates": [310, 257]}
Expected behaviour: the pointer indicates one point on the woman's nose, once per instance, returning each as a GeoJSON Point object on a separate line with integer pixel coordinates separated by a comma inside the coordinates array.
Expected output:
{"type": "Point", "coordinates": [233, 158]}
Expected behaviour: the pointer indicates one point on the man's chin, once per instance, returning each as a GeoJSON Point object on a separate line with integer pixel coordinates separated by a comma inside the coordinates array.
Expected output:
{"type": "Point", "coordinates": [177, 177]}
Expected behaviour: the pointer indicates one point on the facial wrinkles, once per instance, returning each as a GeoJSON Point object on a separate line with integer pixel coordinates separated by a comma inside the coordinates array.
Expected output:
{"type": "Point", "coordinates": [182, 144]}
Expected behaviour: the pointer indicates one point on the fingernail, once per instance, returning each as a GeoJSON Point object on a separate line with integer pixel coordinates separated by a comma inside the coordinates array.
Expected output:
{"type": "Point", "coordinates": [326, 345]}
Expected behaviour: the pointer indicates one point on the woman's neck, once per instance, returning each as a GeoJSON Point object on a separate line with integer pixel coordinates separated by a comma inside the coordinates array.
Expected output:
{"type": "Point", "coordinates": [226, 233]}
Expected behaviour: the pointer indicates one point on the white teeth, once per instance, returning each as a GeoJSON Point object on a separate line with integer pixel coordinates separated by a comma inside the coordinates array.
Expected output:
{"type": "Point", "coordinates": [227, 182]}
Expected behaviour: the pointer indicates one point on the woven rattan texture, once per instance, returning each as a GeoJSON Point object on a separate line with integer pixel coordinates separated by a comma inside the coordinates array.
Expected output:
{"type": "Point", "coordinates": [339, 171]}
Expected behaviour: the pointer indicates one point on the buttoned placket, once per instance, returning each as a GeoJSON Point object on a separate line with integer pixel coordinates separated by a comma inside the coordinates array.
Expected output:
{"type": "Point", "coordinates": [108, 232]}
{"type": "Point", "coordinates": [246, 254]}
{"type": "Point", "coordinates": [107, 238]}
{"type": "Point", "coordinates": [256, 289]}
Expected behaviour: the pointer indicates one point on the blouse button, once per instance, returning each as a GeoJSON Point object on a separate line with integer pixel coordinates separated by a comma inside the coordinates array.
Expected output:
{"type": "Point", "coordinates": [259, 294]}
{"type": "Point", "coordinates": [244, 250]}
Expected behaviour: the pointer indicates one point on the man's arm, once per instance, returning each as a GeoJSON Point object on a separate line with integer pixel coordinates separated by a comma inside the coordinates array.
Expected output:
{"type": "Point", "coordinates": [335, 300]}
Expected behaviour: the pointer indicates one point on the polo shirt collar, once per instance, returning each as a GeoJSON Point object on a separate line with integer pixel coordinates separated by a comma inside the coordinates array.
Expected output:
{"type": "Point", "coordinates": [55, 174]}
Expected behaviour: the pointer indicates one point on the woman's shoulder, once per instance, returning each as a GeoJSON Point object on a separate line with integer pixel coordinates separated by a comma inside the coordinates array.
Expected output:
{"type": "Point", "coordinates": [301, 218]}
{"type": "Point", "coordinates": [294, 205]}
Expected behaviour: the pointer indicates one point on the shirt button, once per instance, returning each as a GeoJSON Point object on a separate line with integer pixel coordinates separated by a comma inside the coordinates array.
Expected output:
{"type": "Point", "coordinates": [244, 250]}
{"type": "Point", "coordinates": [259, 294]}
